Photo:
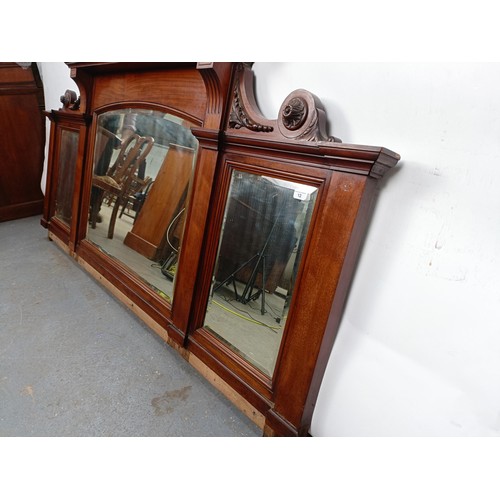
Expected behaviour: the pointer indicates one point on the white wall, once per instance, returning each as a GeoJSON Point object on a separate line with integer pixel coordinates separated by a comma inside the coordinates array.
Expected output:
{"type": "Point", "coordinates": [56, 80]}
{"type": "Point", "coordinates": [418, 348]}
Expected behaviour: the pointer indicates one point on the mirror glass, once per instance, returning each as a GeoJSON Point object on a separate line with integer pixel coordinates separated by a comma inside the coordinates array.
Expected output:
{"type": "Point", "coordinates": [262, 239]}
{"type": "Point", "coordinates": [143, 165]}
{"type": "Point", "coordinates": [68, 149]}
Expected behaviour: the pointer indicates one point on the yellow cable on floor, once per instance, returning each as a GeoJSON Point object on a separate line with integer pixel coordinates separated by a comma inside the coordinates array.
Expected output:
{"type": "Point", "coordinates": [245, 318]}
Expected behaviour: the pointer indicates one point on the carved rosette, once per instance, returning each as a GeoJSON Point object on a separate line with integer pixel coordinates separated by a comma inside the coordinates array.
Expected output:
{"type": "Point", "coordinates": [294, 113]}
{"type": "Point", "coordinates": [301, 117]}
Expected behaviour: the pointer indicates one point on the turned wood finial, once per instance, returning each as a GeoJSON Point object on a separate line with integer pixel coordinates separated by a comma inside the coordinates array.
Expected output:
{"type": "Point", "coordinates": [70, 100]}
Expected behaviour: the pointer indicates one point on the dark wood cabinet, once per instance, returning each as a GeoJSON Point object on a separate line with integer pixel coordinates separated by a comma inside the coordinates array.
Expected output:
{"type": "Point", "coordinates": [22, 141]}
{"type": "Point", "coordinates": [240, 247]}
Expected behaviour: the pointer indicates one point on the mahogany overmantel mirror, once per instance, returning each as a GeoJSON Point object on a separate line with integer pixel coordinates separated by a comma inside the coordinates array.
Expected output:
{"type": "Point", "coordinates": [233, 236]}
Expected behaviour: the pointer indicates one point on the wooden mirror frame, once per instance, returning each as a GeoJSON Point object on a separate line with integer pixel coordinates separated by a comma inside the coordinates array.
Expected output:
{"type": "Point", "coordinates": [231, 132]}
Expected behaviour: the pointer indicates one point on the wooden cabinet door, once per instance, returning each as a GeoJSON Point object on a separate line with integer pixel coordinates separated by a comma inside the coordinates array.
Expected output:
{"type": "Point", "coordinates": [22, 140]}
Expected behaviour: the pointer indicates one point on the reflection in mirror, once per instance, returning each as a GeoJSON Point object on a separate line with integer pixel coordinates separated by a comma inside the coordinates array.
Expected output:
{"type": "Point", "coordinates": [68, 150]}
{"type": "Point", "coordinates": [143, 164]}
{"type": "Point", "coordinates": [262, 238]}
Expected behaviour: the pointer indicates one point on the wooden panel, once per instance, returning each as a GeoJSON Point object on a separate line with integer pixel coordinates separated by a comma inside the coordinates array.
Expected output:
{"type": "Point", "coordinates": [166, 88]}
{"type": "Point", "coordinates": [22, 140]}
{"type": "Point", "coordinates": [319, 286]}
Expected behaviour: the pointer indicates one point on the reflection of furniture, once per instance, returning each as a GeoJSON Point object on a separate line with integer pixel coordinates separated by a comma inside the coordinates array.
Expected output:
{"type": "Point", "coordinates": [119, 178]}
{"type": "Point", "coordinates": [164, 202]}
{"type": "Point", "coordinates": [138, 191]}
{"type": "Point", "coordinates": [22, 141]}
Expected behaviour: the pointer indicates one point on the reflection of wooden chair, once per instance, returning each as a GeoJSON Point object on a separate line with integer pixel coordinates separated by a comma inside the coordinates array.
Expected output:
{"type": "Point", "coordinates": [117, 180]}
{"type": "Point", "coordinates": [136, 196]}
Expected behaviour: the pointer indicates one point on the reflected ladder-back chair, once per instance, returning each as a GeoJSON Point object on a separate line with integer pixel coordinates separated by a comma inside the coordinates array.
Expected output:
{"type": "Point", "coordinates": [137, 195]}
{"type": "Point", "coordinates": [118, 178]}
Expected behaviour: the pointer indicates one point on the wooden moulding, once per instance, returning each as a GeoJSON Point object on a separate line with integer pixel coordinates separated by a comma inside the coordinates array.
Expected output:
{"type": "Point", "coordinates": [233, 134]}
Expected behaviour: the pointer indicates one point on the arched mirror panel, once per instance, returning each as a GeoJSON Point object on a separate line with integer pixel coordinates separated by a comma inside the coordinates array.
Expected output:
{"type": "Point", "coordinates": [142, 169]}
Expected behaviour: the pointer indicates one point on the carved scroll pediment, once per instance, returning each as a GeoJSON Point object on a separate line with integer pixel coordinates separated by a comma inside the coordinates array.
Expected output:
{"type": "Point", "coordinates": [301, 116]}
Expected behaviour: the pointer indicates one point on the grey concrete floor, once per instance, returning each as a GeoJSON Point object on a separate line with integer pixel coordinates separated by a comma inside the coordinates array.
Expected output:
{"type": "Point", "coordinates": [76, 362]}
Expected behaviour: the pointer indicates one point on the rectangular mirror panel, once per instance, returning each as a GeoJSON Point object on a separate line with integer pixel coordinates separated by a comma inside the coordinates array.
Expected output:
{"type": "Point", "coordinates": [262, 239]}
{"type": "Point", "coordinates": [68, 151]}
